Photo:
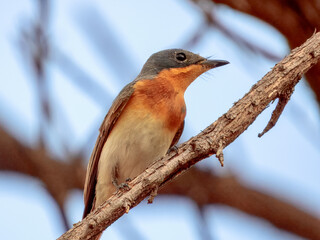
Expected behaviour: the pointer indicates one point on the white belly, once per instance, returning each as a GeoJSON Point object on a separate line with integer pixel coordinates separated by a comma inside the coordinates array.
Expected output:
{"type": "Point", "coordinates": [133, 144]}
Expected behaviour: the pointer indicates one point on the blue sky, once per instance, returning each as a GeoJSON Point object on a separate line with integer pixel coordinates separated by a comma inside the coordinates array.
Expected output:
{"type": "Point", "coordinates": [284, 162]}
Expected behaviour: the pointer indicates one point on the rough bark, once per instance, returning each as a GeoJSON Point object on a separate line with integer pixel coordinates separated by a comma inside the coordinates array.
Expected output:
{"type": "Point", "coordinates": [278, 83]}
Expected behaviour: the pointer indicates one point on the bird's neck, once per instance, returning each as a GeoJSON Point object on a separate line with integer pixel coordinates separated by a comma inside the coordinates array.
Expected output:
{"type": "Point", "coordinates": [181, 78]}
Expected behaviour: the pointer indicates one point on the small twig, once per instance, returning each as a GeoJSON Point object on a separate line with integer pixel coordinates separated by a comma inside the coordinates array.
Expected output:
{"type": "Point", "coordinates": [283, 100]}
{"type": "Point", "coordinates": [219, 154]}
{"type": "Point", "coordinates": [63, 216]}
{"type": "Point", "coordinates": [127, 205]}
{"type": "Point", "coordinates": [153, 194]}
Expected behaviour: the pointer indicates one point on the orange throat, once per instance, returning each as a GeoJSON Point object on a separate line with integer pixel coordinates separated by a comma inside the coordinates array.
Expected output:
{"type": "Point", "coordinates": [163, 96]}
{"type": "Point", "coordinates": [159, 99]}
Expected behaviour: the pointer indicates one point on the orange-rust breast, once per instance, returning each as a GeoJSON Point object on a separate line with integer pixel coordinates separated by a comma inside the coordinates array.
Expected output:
{"type": "Point", "coordinates": [160, 99]}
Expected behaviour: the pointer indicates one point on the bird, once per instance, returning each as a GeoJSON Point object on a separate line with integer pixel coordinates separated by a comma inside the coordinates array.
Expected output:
{"type": "Point", "coordinates": [144, 121]}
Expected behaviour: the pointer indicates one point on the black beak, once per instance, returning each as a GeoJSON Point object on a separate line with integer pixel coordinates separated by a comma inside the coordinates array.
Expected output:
{"type": "Point", "coordinates": [214, 63]}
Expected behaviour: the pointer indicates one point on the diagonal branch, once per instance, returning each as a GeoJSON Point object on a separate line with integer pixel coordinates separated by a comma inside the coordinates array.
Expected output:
{"type": "Point", "coordinates": [283, 77]}
{"type": "Point", "coordinates": [226, 129]}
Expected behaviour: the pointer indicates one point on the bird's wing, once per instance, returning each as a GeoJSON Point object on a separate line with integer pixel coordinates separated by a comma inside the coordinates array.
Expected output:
{"type": "Point", "coordinates": [178, 135]}
{"type": "Point", "coordinates": [109, 121]}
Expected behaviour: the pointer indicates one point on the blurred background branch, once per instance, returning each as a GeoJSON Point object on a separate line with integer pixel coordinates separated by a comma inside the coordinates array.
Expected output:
{"type": "Point", "coordinates": [58, 151]}
{"type": "Point", "coordinates": [297, 20]}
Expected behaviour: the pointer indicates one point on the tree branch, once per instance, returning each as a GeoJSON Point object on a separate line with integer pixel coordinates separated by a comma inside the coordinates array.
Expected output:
{"type": "Point", "coordinates": [282, 78]}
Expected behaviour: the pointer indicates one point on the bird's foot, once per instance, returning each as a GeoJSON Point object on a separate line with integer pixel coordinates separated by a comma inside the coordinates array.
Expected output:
{"type": "Point", "coordinates": [173, 149]}
{"type": "Point", "coordinates": [123, 186]}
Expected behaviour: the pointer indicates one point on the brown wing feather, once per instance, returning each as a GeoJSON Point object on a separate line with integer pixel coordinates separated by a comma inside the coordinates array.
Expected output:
{"type": "Point", "coordinates": [177, 136]}
{"type": "Point", "coordinates": [111, 118]}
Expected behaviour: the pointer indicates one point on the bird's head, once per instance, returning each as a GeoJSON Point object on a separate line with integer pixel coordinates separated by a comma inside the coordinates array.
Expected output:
{"type": "Point", "coordinates": [179, 64]}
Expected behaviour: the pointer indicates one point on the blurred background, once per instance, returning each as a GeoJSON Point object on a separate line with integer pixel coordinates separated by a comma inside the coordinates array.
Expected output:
{"type": "Point", "coordinates": [63, 62]}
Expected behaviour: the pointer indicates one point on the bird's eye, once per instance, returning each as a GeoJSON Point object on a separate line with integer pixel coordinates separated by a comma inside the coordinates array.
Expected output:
{"type": "Point", "coordinates": [181, 56]}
